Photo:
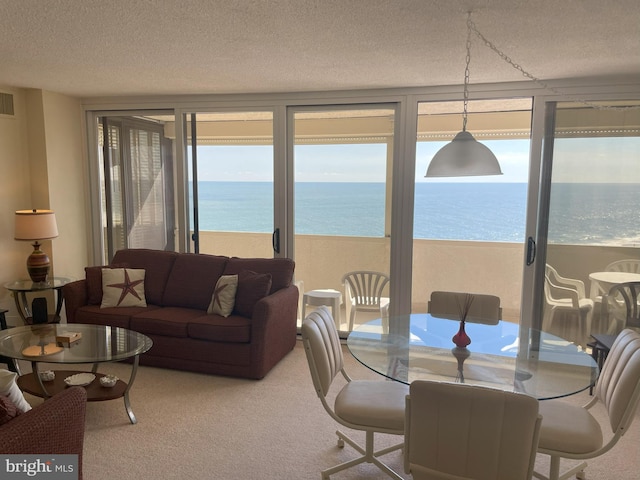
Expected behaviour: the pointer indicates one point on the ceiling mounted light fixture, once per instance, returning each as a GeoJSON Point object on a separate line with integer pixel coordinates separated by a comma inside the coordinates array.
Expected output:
{"type": "Point", "coordinates": [464, 156]}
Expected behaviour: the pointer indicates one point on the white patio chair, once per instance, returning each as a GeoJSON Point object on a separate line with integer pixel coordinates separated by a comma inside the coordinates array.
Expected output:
{"type": "Point", "coordinates": [629, 265]}
{"type": "Point", "coordinates": [364, 292]}
{"type": "Point", "coordinates": [621, 308]}
{"type": "Point", "coordinates": [566, 296]}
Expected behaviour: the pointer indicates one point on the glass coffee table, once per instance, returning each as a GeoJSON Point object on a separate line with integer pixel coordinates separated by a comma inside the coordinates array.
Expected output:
{"type": "Point", "coordinates": [93, 344]}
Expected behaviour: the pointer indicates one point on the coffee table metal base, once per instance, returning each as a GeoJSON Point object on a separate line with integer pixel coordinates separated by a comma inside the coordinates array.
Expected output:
{"type": "Point", "coordinates": [33, 384]}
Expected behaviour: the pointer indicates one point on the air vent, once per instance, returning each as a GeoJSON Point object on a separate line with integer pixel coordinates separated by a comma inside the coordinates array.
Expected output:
{"type": "Point", "coordinates": [6, 104]}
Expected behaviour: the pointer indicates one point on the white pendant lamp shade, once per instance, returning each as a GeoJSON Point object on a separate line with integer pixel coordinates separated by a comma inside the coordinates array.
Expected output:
{"type": "Point", "coordinates": [464, 156]}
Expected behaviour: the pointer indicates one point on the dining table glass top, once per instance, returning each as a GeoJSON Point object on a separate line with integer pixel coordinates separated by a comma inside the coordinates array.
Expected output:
{"type": "Point", "coordinates": [419, 346]}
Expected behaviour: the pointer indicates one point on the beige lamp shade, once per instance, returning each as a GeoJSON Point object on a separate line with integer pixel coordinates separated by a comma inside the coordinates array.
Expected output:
{"type": "Point", "coordinates": [34, 225]}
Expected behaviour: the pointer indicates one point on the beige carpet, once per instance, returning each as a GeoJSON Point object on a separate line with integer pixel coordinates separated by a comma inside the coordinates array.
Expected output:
{"type": "Point", "coordinates": [207, 427]}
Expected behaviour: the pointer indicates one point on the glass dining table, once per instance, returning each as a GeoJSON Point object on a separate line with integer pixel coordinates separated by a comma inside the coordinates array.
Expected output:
{"type": "Point", "coordinates": [419, 346]}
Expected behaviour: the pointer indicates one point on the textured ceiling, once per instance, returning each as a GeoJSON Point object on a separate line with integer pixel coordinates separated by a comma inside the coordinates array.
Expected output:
{"type": "Point", "coordinates": [128, 47]}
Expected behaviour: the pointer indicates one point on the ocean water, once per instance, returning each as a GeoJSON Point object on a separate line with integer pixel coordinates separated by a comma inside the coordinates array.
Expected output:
{"type": "Point", "coordinates": [579, 214]}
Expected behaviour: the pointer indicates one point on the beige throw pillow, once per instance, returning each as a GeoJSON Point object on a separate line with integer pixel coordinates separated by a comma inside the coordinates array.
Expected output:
{"type": "Point", "coordinates": [224, 295]}
{"type": "Point", "coordinates": [123, 287]}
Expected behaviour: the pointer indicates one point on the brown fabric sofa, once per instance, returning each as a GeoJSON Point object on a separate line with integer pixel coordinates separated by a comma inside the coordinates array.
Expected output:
{"type": "Point", "coordinates": [55, 427]}
{"type": "Point", "coordinates": [178, 289]}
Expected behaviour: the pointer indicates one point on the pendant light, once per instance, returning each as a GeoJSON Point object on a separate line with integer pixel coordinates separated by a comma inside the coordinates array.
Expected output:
{"type": "Point", "coordinates": [464, 156]}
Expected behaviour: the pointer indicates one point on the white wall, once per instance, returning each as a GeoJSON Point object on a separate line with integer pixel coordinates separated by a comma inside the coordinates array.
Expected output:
{"type": "Point", "coordinates": [42, 161]}
{"type": "Point", "coordinates": [15, 193]}
{"type": "Point", "coordinates": [67, 175]}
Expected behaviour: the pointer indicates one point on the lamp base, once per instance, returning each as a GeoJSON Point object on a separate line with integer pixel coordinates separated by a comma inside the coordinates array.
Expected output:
{"type": "Point", "coordinates": [38, 265]}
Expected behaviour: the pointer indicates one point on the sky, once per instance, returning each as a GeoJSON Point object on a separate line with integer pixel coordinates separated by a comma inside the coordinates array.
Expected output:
{"type": "Point", "coordinates": [342, 163]}
{"type": "Point", "coordinates": [588, 160]}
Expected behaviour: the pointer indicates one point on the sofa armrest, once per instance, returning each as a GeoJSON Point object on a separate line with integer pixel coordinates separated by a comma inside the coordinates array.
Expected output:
{"type": "Point", "coordinates": [273, 329]}
{"type": "Point", "coordinates": [75, 296]}
{"type": "Point", "coordinates": [56, 426]}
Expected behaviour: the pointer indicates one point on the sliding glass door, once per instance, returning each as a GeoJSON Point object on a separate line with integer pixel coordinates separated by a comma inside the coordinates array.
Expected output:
{"type": "Point", "coordinates": [136, 168]}
{"type": "Point", "coordinates": [340, 187]}
{"type": "Point", "coordinates": [591, 157]}
{"type": "Point", "coordinates": [469, 232]}
{"type": "Point", "coordinates": [342, 161]}
{"type": "Point", "coordinates": [231, 173]}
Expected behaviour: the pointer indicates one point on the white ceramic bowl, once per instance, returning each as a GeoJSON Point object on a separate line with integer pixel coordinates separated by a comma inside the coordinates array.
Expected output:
{"type": "Point", "coordinates": [108, 381]}
{"type": "Point", "coordinates": [80, 379]}
{"type": "Point", "coordinates": [47, 375]}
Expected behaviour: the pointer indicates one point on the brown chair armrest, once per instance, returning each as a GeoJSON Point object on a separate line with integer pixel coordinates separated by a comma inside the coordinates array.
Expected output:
{"type": "Point", "coordinates": [56, 426]}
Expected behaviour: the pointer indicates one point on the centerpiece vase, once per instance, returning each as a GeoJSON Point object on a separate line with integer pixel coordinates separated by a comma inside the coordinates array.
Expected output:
{"type": "Point", "coordinates": [461, 339]}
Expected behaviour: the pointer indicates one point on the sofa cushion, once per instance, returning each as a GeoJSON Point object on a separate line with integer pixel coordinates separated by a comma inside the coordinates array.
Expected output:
{"type": "Point", "coordinates": [224, 296]}
{"type": "Point", "coordinates": [280, 269]}
{"type": "Point", "coordinates": [166, 321]}
{"type": "Point", "coordinates": [215, 328]}
{"type": "Point", "coordinates": [157, 264]}
{"type": "Point", "coordinates": [192, 280]}
{"type": "Point", "coordinates": [112, 316]}
{"type": "Point", "coordinates": [252, 287]}
{"type": "Point", "coordinates": [123, 287]}
{"type": "Point", "coordinates": [93, 276]}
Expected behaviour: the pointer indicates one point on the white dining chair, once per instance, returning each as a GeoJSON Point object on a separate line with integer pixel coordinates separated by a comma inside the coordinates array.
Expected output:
{"type": "Point", "coordinates": [484, 308]}
{"type": "Point", "coordinates": [455, 431]}
{"type": "Point", "coordinates": [573, 432]}
{"type": "Point", "coordinates": [371, 406]}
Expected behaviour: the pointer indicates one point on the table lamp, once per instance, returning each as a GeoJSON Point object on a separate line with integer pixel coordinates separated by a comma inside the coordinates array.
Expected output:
{"type": "Point", "coordinates": [34, 225]}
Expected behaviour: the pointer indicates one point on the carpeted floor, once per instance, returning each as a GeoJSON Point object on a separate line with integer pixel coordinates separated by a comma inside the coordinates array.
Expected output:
{"type": "Point", "coordinates": [207, 427]}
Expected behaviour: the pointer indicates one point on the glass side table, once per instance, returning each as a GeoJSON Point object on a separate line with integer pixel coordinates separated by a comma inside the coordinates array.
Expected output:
{"type": "Point", "coordinates": [3, 359]}
{"type": "Point", "coordinates": [20, 288]}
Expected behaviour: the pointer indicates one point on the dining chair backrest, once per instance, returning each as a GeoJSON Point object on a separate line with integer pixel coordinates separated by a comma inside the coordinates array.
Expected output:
{"type": "Point", "coordinates": [460, 431]}
{"type": "Point", "coordinates": [618, 385]}
{"type": "Point", "coordinates": [323, 349]}
{"type": "Point", "coordinates": [484, 308]}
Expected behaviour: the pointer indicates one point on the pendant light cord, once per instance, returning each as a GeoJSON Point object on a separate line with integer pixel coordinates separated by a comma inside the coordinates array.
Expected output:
{"type": "Point", "coordinates": [471, 27]}
{"type": "Point", "coordinates": [466, 74]}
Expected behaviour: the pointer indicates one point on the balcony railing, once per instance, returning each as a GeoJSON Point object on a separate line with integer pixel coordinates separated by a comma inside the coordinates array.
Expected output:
{"type": "Point", "coordinates": [484, 267]}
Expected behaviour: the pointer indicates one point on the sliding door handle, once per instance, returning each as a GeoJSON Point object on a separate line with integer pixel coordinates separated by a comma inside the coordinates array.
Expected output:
{"type": "Point", "coordinates": [275, 240]}
{"type": "Point", "coordinates": [531, 250]}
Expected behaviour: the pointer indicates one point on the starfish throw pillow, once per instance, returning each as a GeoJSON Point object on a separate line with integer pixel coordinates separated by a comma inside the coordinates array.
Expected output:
{"type": "Point", "coordinates": [224, 295]}
{"type": "Point", "coordinates": [123, 287]}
